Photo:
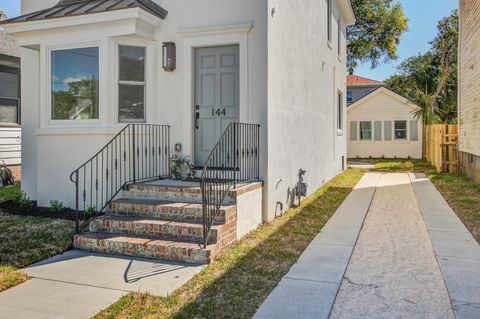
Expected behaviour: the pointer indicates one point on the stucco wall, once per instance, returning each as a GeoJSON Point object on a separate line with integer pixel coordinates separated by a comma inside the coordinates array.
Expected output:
{"type": "Point", "coordinates": [304, 75]}
{"type": "Point", "coordinates": [54, 151]}
{"type": "Point", "coordinates": [249, 211]}
{"type": "Point", "coordinates": [383, 107]}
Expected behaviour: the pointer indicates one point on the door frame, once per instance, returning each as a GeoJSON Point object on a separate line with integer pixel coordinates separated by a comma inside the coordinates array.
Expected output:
{"type": "Point", "coordinates": [212, 37]}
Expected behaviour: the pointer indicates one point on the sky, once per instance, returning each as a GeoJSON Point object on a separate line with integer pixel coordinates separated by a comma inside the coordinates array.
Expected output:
{"type": "Point", "coordinates": [423, 16]}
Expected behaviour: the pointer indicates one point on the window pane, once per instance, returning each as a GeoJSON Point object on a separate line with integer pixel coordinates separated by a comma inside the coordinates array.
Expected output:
{"type": "Point", "coordinates": [400, 125]}
{"type": "Point", "coordinates": [132, 63]}
{"type": "Point", "coordinates": [75, 84]}
{"type": "Point", "coordinates": [378, 131]}
{"type": "Point", "coordinates": [8, 111]}
{"type": "Point", "coordinates": [400, 130]}
{"type": "Point", "coordinates": [365, 130]}
{"type": "Point", "coordinates": [10, 84]}
{"type": "Point", "coordinates": [131, 104]}
{"type": "Point", "coordinates": [349, 96]}
{"type": "Point", "coordinates": [340, 112]}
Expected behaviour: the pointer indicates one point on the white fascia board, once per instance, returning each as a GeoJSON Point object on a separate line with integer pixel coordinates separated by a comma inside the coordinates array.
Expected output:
{"type": "Point", "coordinates": [42, 27]}
{"type": "Point", "coordinates": [345, 7]}
{"type": "Point", "coordinates": [225, 29]}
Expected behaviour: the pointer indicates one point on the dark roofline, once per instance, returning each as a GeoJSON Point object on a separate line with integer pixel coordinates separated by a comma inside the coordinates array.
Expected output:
{"type": "Point", "coordinates": [78, 9]}
{"type": "Point", "coordinates": [380, 87]}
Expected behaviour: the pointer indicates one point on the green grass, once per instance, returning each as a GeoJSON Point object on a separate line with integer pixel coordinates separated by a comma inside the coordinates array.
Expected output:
{"type": "Point", "coordinates": [461, 193]}
{"type": "Point", "coordinates": [25, 240]}
{"type": "Point", "coordinates": [10, 192]}
{"type": "Point", "coordinates": [10, 277]}
{"type": "Point", "coordinates": [241, 278]}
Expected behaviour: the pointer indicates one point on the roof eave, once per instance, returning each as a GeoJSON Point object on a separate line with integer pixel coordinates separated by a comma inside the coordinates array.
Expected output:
{"type": "Point", "coordinates": [348, 14]}
{"type": "Point", "coordinates": [17, 28]}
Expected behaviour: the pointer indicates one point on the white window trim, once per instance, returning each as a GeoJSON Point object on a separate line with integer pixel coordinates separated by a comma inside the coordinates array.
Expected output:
{"type": "Point", "coordinates": [407, 132]}
{"type": "Point", "coordinates": [48, 84]}
{"type": "Point", "coordinates": [118, 82]}
{"type": "Point", "coordinates": [329, 23]}
{"type": "Point", "coordinates": [340, 113]}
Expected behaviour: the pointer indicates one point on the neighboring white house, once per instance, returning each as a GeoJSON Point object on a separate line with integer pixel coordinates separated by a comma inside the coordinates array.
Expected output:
{"type": "Point", "coordinates": [276, 63]}
{"type": "Point", "coordinates": [382, 124]}
{"type": "Point", "coordinates": [10, 133]}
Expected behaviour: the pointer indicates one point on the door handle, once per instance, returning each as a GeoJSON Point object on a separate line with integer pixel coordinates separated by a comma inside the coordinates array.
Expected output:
{"type": "Point", "coordinates": [197, 116]}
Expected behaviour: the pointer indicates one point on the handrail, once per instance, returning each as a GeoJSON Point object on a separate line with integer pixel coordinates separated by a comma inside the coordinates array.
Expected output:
{"type": "Point", "coordinates": [234, 159]}
{"type": "Point", "coordinates": [138, 152]}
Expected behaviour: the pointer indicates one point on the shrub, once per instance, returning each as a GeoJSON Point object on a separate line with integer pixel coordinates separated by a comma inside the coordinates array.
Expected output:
{"type": "Point", "coordinates": [23, 201]}
{"type": "Point", "coordinates": [56, 206]}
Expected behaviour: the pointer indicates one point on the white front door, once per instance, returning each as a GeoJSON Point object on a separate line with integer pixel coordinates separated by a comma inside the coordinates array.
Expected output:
{"type": "Point", "coordinates": [216, 96]}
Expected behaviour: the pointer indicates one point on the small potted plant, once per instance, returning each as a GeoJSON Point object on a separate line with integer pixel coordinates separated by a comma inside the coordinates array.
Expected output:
{"type": "Point", "coordinates": [181, 167]}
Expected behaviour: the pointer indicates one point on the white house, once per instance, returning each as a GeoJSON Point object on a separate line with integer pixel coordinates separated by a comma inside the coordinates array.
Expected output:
{"type": "Point", "coordinates": [92, 66]}
{"type": "Point", "coordinates": [382, 124]}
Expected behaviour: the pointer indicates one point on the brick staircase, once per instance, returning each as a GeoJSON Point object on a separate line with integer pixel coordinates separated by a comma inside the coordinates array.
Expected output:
{"type": "Point", "coordinates": [159, 221]}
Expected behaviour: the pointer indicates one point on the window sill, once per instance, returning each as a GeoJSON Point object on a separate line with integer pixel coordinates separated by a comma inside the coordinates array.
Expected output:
{"type": "Point", "coordinates": [339, 133]}
{"type": "Point", "coordinates": [329, 44]}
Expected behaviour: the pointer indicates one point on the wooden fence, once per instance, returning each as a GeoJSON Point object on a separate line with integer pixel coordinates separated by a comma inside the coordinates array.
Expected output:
{"type": "Point", "coordinates": [440, 147]}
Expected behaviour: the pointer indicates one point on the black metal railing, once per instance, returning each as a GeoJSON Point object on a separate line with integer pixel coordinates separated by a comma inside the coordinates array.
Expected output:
{"type": "Point", "coordinates": [139, 152]}
{"type": "Point", "coordinates": [234, 159]}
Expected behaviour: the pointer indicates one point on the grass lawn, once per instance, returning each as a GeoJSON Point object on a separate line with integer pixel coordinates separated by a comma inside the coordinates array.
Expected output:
{"type": "Point", "coordinates": [461, 193]}
{"type": "Point", "coordinates": [241, 278]}
{"type": "Point", "coordinates": [10, 192]}
{"type": "Point", "coordinates": [25, 240]}
{"type": "Point", "coordinates": [10, 277]}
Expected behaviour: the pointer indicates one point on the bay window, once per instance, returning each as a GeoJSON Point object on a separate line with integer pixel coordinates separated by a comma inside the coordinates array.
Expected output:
{"type": "Point", "coordinates": [131, 84]}
{"type": "Point", "coordinates": [74, 84]}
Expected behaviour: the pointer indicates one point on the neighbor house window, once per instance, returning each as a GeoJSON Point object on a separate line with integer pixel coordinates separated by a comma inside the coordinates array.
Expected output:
{"type": "Point", "coordinates": [74, 84]}
{"type": "Point", "coordinates": [349, 96]}
{"type": "Point", "coordinates": [400, 130]}
{"type": "Point", "coordinates": [131, 84]}
{"type": "Point", "coordinates": [9, 97]}
{"type": "Point", "coordinates": [329, 21]}
{"type": "Point", "coordinates": [340, 111]}
{"type": "Point", "coordinates": [365, 131]}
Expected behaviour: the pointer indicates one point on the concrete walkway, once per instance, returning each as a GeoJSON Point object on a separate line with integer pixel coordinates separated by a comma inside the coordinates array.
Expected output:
{"type": "Point", "coordinates": [310, 287]}
{"type": "Point", "coordinates": [79, 284]}
{"type": "Point", "coordinates": [413, 259]}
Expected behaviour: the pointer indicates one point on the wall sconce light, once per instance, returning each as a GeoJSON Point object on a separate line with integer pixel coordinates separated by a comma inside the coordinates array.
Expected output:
{"type": "Point", "coordinates": [169, 56]}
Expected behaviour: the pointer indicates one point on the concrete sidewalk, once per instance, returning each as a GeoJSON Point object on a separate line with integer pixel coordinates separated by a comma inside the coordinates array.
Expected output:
{"type": "Point", "coordinates": [79, 284]}
{"type": "Point", "coordinates": [310, 287]}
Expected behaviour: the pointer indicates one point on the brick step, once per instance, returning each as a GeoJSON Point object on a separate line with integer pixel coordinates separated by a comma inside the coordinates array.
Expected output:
{"type": "Point", "coordinates": [167, 210]}
{"type": "Point", "coordinates": [138, 246]}
{"type": "Point", "coordinates": [158, 229]}
{"type": "Point", "coordinates": [191, 194]}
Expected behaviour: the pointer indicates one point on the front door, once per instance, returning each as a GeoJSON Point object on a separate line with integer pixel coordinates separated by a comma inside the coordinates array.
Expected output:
{"type": "Point", "coordinates": [216, 96]}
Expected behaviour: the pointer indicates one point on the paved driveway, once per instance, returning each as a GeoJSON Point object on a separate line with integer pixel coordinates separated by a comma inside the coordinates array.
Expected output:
{"type": "Point", "coordinates": [411, 257]}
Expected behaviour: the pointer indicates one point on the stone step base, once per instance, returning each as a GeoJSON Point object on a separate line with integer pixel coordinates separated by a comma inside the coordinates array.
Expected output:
{"type": "Point", "coordinates": [145, 247]}
{"type": "Point", "coordinates": [167, 210]}
{"type": "Point", "coordinates": [192, 194]}
{"type": "Point", "coordinates": [158, 229]}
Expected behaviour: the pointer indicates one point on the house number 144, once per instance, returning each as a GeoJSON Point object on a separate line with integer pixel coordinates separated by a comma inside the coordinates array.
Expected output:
{"type": "Point", "coordinates": [219, 112]}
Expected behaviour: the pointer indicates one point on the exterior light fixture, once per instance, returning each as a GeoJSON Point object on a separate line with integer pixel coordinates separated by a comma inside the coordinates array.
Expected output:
{"type": "Point", "coordinates": [169, 56]}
